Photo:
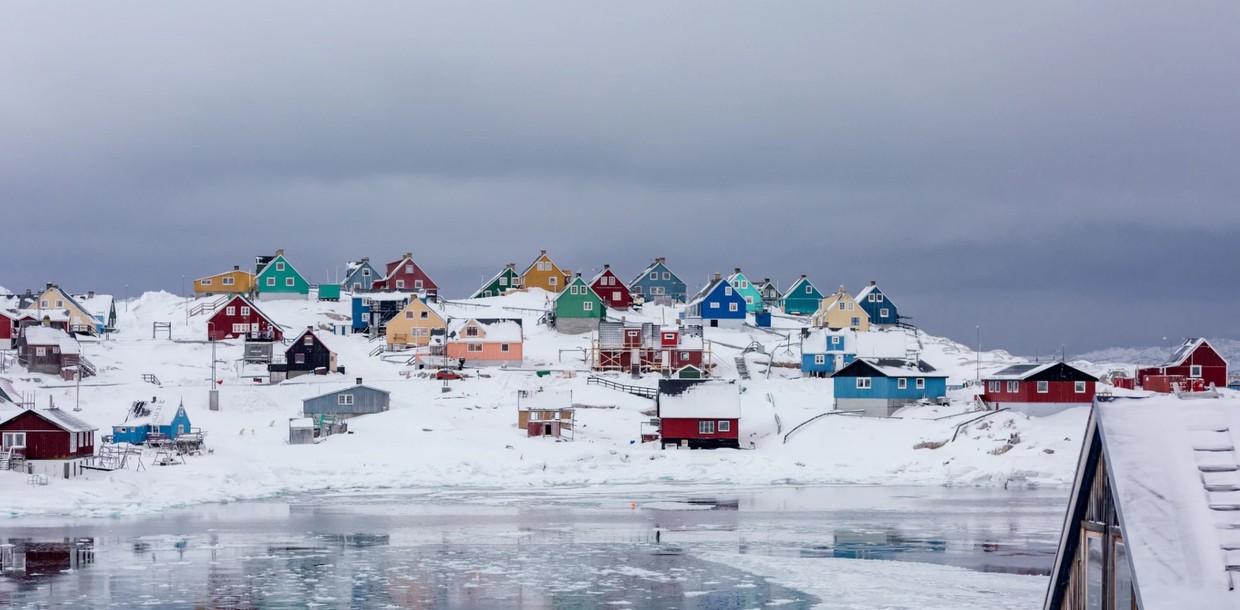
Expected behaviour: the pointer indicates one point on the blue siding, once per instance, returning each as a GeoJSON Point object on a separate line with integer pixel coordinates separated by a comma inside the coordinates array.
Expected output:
{"type": "Point", "coordinates": [136, 435]}
{"type": "Point", "coordinates": [672, 288]}
{"type": "Point", "coordinates": [802, 299]}
{"type": "Point", "coordinates": [877, 308]}
{"type": "Point", "coordinates": [808, 364]}
{"type": "Point", "coordinates": [359, 277]}
{"type": "Point", "coordinates": [365, 400]}
{"type": "Point", "coordinates": [717, 304]}
{"type": "Point", "coordinates": [888, 388]}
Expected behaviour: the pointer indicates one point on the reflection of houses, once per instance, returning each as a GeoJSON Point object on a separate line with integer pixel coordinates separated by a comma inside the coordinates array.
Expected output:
{"type": "Point", "coordinates": [47, 441]}
{"type": "Point", "coordinates": [22, 559]}
{"type": "Point", "coordinates": [648, 347]}
{"type": "Point", "coordinates": [1153, 512]}
{"type": "Point", "coordinates": [699, 414]}
{"type": "Point", "coordinates": [1039, 389]}
{"type": "Point", "coordinates": [43, 349]}
{"type": "Point", "coordinates": [546, 413]}
{"type": "Point", "coordinates": [881, 386]}
{"type": "Point", "coordinates": [1194, 360]}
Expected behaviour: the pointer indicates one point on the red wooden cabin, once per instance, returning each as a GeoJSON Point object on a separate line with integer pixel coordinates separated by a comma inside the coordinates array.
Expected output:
{"type": "Point", "coordinates": [47, 438]}
{"type": "Point", "coordinates": [8, 329]}
{"type": "Point", "coordinates": [615, 293]}
{"type": "Point", "coordinates": [405, 274]}
{"type": "Point", "coordinates": [238, 319]}
{"type": "Point", "coordinates": [1040, 389]}
{"type": "Point", "coordinates": [699, 414]}
{"type": "Point", "coordinates": [1195, 359]}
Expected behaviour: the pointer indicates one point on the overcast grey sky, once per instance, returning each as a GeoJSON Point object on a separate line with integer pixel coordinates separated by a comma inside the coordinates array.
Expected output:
{"type": "Point", "coordinates": [1057, 172]}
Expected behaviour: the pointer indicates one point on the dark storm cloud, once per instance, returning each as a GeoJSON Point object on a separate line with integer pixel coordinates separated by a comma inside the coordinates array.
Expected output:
{"type": "Point", "coordinates": [1044, 170]}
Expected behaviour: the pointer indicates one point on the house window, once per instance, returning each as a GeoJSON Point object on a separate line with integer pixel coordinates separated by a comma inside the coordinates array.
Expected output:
{"type": "Point", "coordinates": [1080, 387]}
{"type": "Point", "coordinates": [836, 340]}
{"type": "Point", "coordinates": [425, 315]}
{"type": "Point", "coordinates": [299, 358]}
{"type": "Point", "coordinates": [309, 340]}
{"type": "Point", "coordinates": [667, 275]}
{"type": "Point", "coordinates": [400, 283]}
{"type": "Point", "coordinates": [1194, 371]}
{"type": "Point", "coordinates": [1013, 387]}
{"type": "Point", "coordinates": [727, 291]}
{"type": "Point", "coordinates": [544, 266]}
{"type": "Point", "coordinates": [245, 311]}
{"type": "Point", "coordinates": [820, 359]}
{"type": "Point", "coordinates": [992, 387]}
{"type": "Point", "coordinates": [471, 331]}
{"type": "Point", "coordinates": [40, 351]}
{"type": "Point", "coordinates": [809, 290]}
{"type": "Point", "coordinates": [725, 426]}
{"type": "Point", "coordinates": [552, 281]}
{"type": "Point", "coordinates": [587, 306]}
{"type": "Point", "coordinates": [902, 383]}
{"type": "Point", "coordinates": [921, 383]}
{"type": "Point", "coordinates": [357, 285]}
{"type": "Point", "coordinates": [706, 427]}
{"type": "Point", "coordinates": [205, 282]}
{"type": "Point", "coordinates": [1121, 576]}
{"type": "Point", "coordinates": [43, 304]}
{"type": "Point", "coordinates": [733, 307]}
{"type": "Point", "coordinates": [271, 281]}
{"type": "Point", "coordinates": [228, 281]}
{"type": "Point", "coordinates": [617, 296]}
{"type": "Point", "coordinates": [409, 268]}
{"type": "Point", "coordinates": [230, 311]}
{"type": "Point", "coordinates": [14, 439]}
{"type": "Point", "coordinates": [654, 275]}
{"type": "Point", "coordinates": [417, 284]}
{"type": "Point", "coordinates": [863, 383]}
{"type": "Point", "coordinates": [744, 284]}
{"type": "Point", "coordinates": [856, 321]}
{"type": "Point", "coordinates": [344, 399]}
{"type": "Point", "coordinates": [749, 300]}
{"type": "Point", "coordinates": [59, 304]}
{"type": "Point", "coordinates": [1092, 561]}
{"type": "Point", "coordinates": [1044, 387]}
{"type": "Point", "coordinates": [504, 347]}
{"type": "Point", "coordinates": [503, 281]}
{"type": "Point", "coordinates": [240, 328]}
{"type": "Point", "coordinates": [280, 266]}
{"type": "Point", "coordinates": [884, 312]}
{"type": "Point", "coordinates": [654, 290]}
{"type": "Point", "coordinates": [73, 443]}
{"type": "Point", "coordinates": [684, 356]}
{"type": "Point", "coordinates": [842, 306]}
{"type": "Point", "coordinates": [408, 315]}
{"type": "Point", "coordinates": [474, 347]}
{"type": "Point", "coordinates": [365, 272]}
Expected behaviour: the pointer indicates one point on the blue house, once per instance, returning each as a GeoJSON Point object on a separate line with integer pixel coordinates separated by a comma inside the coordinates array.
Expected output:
{"type": "Point", "coordinates": [802, 298]}
{"type": "Point", "coordinates": [371, 312]}
{"type": "Point", "coordinates": [349, 402]}
{"type": "Point", "coordinates": [150, 420]}
{"type": "Point", "coordinates": [823, 352]}
{"type": "Point", "coordinates": [880, 308]}
{"type": "Point", "coordinates": [657, 284]}
{"type": "Point", "coordinates": [360, 276]}
{"type": "Point", "coordinates": [881, 386]}
{"type": "Point", "coordinates": [718, 305]}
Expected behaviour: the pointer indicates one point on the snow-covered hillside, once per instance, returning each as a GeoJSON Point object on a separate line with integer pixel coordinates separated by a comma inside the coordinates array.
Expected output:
{"type": "Point", "coordinates": [467, 437]}
{"type": "Point", "coordinates": [1154, 355]}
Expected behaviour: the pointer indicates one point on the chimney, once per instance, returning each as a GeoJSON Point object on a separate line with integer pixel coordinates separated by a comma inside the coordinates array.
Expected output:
{"type": "Point", "coordinates": [49, 286]}
{"type": "Point", "coordinates": [718, 277]}
{"type": "Point", "coordinates": [802, 276]}
{"type": "Point", "coordinates": [310, 329]}
{"type": "Point", "coordinates": [578, 274]}
{"type": "Point", "coordinates": [872, 282]}
{"type": "Point", "coordinates": [90, 294]}
{"type": "Point", "coordinates": [280, 252]}
{"type": "Point", "coordinates": [542, 252]}
{"type": "Point", "coordinates": [738, 269]}
{"type": "Point", "coordinates": [408, 255]}
{"type": "Point", "coordinates": [365, 259]}
{"type": "Point", "coordinates": [236, 267]}
{"type": "Point", "coordinates": [606, 266]}
{"type": "Point", "coordinates": [766, 280]}
{"type": "Point", "coordinates": [512, 266]}
{"type": "Point", "coordinates": [359, 381]}
{"type": "Point", "coordinates": [661, 260]}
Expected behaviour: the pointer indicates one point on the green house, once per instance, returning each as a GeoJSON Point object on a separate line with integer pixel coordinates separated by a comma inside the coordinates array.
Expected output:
{"type": "Point", "coordinates": [803, 298]}
{"type": "Point", "coordinates": [277, 279]}
{"type": "Point", "coordinates": [507, 279]}
{"type": "Point", "coordinates": [578, 309]}
{"type": "Point", "coordinates": [747, 290]}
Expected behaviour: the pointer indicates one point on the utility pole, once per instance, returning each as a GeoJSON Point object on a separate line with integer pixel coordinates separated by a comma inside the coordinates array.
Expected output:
{"type": "Point", "coordinates": [978, 378]}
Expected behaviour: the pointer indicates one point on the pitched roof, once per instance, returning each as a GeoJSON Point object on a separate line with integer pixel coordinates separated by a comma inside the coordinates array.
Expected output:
{"type": "Point", "coordinates": [99, 304]}
{"type": "Point", "coordinates": [493, 279]}
{"type": "Point", "coordinates": [248, 303]}
{"type": "Point", "coordinates": [1155, 449]}
{"type": "Point", "coordinates": [865, 292]}
{"type": "Point", "coordinates": [1186, 349]}
{"type": "Point", "coordinates": [46, 335]}
{"type": "Point", "coordinates": [52, 315]}
{"type": "Point", "coordinates": [348, 389]}
{"type": "Point", "coordinates": [497, 330]}
{"type": "Point", "coordinates": [709, 399]}
{"type": "Point", "coordinates": [1021, 372]}
{"type": "Point", "coordinates": [536, 259]}
{"type": "Point", "coordinates": [316, 336]}
{"type": "Point", "coordinates": [63, 420]}
{"type": "Point", "coordinates": [888, 367]}
{"type": "Point", "coordinates": [142, 413]}
{"type": "Point", "coordinates": [271, 265]}
{"type": "Point", "coordinates": [71, 301]}
{"type": "Point", "coordinates": [658, 262]}
{"type": "Point", "coordinates": [706, 292]}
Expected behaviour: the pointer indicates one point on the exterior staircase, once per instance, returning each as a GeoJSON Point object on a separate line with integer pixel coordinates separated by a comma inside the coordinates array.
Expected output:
{"type": "Point", "coordinates": [207, 307]}
{"type": "Point", "coordinates": [88, 367]}
{"type": "Point", "coordinates": [151, 379]}
{"type": "Point", "coordinates": [742, 367]}
{"type": "Point", "coordinates": [1219, 467]}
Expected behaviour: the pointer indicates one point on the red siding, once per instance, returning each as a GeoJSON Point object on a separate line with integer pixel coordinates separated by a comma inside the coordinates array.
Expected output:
{"type": "Point", "coordinates": [612, 290]}
{"type": "Point", "coordinates": [220, 326]}
{"type": "Point", "coordinates": [409, 273]}
{"type": "Point", "coordinates": [1213, 367]}
{"type": "Point", "coordinates": [45, 440]}
{"type": "Point", "coordinates": [688, 428]}
{"type": "Point", "coordinates": [1057, 392]}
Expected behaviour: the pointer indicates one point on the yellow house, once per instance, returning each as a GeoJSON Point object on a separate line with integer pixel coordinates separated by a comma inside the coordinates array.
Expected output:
{"type": "Point", "coordinates": [80, 320]}
{"type": "Point", "coordinates": [840, 310]}
{"type": "Point", "coordinates": [228, 282]}
{"type": "Point", "coordinates": [412, 326]}
{"type": "Point", "coordinates": [545, 274]}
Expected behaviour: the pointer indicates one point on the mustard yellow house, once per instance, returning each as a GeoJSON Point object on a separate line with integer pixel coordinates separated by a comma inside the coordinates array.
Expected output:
{"type": "Point", "coordinates": [228, 282]}
{"type": "Point", "coordinates": [840, 310]}
{"type": "Point", "coordinates": [412, 326]}
{"type": "Point", "coordinates": [544, 273]}
{"type": "Point", "coordinates": [55, 299]}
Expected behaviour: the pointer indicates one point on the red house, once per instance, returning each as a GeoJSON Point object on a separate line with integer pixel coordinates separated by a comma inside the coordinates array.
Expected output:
{"type": "Point", "coordinates": [1195, 359]}
{"type": "Point", "coordinates": [405, 274]}
{"type": "Point", "coordinates": [48, 441]}
{"type": "Point", "coordinates": [8, 329]}
{"type": "Point", "coordinates": [1040, 389]}
{"type": "Point", "coordinates": [241, 319]}
{"type": "Point", "coordinates": [699, 414]}
{"type": "Point", "coordinates": [615, 293]}
{"type": "Point", "coordinates": [620, 347]}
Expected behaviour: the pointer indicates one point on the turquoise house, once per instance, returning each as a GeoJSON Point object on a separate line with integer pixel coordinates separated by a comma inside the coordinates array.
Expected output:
{"type": "Point", "coordinates": [881, 386]}
{"type": "Point", "coordinates": [277, 279]}
{"type": "Point", "coordinates": [149, 420]}
{"type": "Point", "coordinates": [748, 291]}
{"type": "Point", "coordinates": [802, 298]}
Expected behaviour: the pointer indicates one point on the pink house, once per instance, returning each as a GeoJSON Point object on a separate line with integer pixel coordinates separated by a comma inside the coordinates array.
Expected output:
{"type": "Point", "coordinates": [485, 342]}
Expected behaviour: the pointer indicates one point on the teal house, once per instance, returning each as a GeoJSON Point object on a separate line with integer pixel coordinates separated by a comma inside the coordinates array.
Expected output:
{"type": "Point", "coordinates": [881, 386]}
{"type": "Point", "coordinates": [659, 285]}
{"type": "Point", "coordinates": [277, 279]}
{"type": "Point", "coordinates": [802, 298]}
{"type": "Point", "coordinates": [578, 309]}
{"type": "Point", "coordinates": [748, 291]}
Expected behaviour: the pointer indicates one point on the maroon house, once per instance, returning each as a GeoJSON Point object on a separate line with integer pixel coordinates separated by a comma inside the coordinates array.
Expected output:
{"type": "Point", "coordinates": [649, 346]}
{"type": "Point", "coordinates": [1195, 359]}
{"type": "Point", "coordinates": [405, 274]}
{"type": "Point", "coordinates": [8, 329]}
{"type": "Point", "coordinates": [241, 319]}
{"type": "Point", "coordinates": [615, 293]}
{"type": "Point", "coordinates": [50, 441]}
{"type": "Point", "coordinates": [699, 414]}
{"type": "Point", "coordinates": [1040, 389]}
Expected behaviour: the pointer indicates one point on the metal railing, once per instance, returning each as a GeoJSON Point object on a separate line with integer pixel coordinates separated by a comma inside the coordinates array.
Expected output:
{"type": "Point", "coordinates": [635, 390]}
{"type": "Point", "coordinates": [818, 417]}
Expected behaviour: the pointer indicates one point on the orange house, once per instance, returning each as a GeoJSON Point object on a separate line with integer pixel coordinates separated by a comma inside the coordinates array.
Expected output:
{"type": "Point", "coordinates": [485, 342]}
{"type": "Point", "coordinates": [228, 282]}
{"type": "Point", "coordinates": [544, 273]}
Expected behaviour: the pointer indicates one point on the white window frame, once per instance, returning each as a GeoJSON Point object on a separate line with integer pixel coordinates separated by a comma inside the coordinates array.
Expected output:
{"type": "Point", "coordinates": [505, 347]}
{"type": "Point", "coordinates": [40, 351]}
{"type": "Point", "coordinates": [587, 306]}
{"type": "Point", "coordinates": [820, 359]}
{"type": "Point", "coordinates": [921, 383]}
{"type": "Point", "coordinates": [1013, 387]}
{"type": "Point", "coordinates": [206, 282]}
{"type": "Point", "coordinates": [418, 284]}
{"type": "Point", "coordinates": [1044, 387]}
{"type": "Point", "coordinates": [733, 307]}
{"type": "Point", "coordinates": [245, 311]}
{"type": "Point", "coordinates": [400, 283]}
{"type": "Point", "coordinates": [240, 327]}
{"type": "Point", "coordinates": [667, 275]}
{"type": "Point", "coordinates": [884, 312]}
{"type": "Point", "coordinates": [231, 310]}
{"type": "Point", "coordinates": [727, 291]}
{"type": "Point", "coordinates": [299, 358]}
{"type": "Point", "coordinates": [271, 281]}
{"type": "Point", "coordinates": [1195, 371]}
{"type": "Point", "coordinates": [280, 266]}
{"type": "Point", "coordinates": [706, 426]}
{"type": "Point", "coordinates": [344, 400]}
{"type": "Point", "coordinates": [473, 347]}
{"type": "Point", "coordinates": [227, 281]}
{"type": "Point", "coordinates": [552, 281]}
{"type": "Point", "coordinates": [1079, 387]}
{"type": "Point", "coordinates": [724, 426]}
{"type": "Point", "coordinates": [289, 281]}
{"type": "Point", "coordinates": [715, 305]}
{"type": "Point", "coordinates": [13, 439]}
{"type": "Point", "coordinates": [902, 383]}
{"type": "Point", "coordinates": [73, 442]}
{"type": "Point", "coordinates": [993, 386]}
{"type": "Point", "coordinates": [864, 383]}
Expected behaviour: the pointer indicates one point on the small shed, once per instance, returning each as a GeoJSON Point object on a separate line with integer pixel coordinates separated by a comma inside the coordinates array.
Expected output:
{"type": "Point", "coordinates": [329, 292]}
{"type": "Point", "coordinates": [301, 431]}
{"type": "Point", "coordinates": [546, 413]}
{"type": "Point", "coordinates": [349, 402]}
{"type": "Point", "coordinates": [690, 372]}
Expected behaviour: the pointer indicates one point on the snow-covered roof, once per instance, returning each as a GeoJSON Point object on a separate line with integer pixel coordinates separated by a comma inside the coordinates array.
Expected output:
{"type": "Point", "coordinates": [348, 389]}
{"type": "Point", "coordinates": [385, 296]}
{"type": "Point", "coordinates": [301, 422]}
{"type": "Point", "coordinates": [705, 292]}
{"type": "Point", "coordinates": [46, 335]}
{"type": "Point", "coordinates": [164, 418]}
{"type": "Point", "coordinates": [326, 339]}
{"type": "Point", "coordinates": [891, 367]}
{"type": "Point", "coordinates": [1156, 450]}
{"type": "Point", "coordinates": [1020, 371]}
{"type": "Point", "coordinates": [702, 400]}
{"type": "Point", "coordinates": [52, 315]}
{"type": "Point", "coordinates": [98, 304]}
{"type": "Point", "coordinates": [865, 292]}
{"type": "Point", "coordinates": [1185, 350]}
{"type": "Point", "coordinates": [66, 421]}
{"type": "Point", "coordinates": [494, 278]}
{"type": "Point", "coordinates": [497, 330]}
{"type": "Point", "coordinates": [655, 265]}
{"type": "Point", "coordinates": [547, 400]}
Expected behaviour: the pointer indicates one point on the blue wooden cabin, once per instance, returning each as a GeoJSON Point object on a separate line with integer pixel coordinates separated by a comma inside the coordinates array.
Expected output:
{"type": "Point", "coordinates": [349, 402]}
{"type": "Point", "coordinates": [150, 421]}
{"type": "Point", "coordinates": [360, 276]}
{"type": "Point", "coordinates": [718, 305]}
{"type": "Point", "coordinates": [657, 284]}
{"type": "Point", "coordinates": [823, 352]}
{"type": "Point", "coordinates": [880, 308]}
{"type": "Point", "coordinates": [881, 386]}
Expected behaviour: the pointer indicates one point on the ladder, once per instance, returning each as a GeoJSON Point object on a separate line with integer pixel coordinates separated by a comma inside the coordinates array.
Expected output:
{"type": "Point", "coordinates": [1215, 450]}
{"type": "Point", "coordinates": [742, 368]}
{"type": "Point", "coordinates": [159, 405]}
{"type": "Point", "coordinates": [150, 378]}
